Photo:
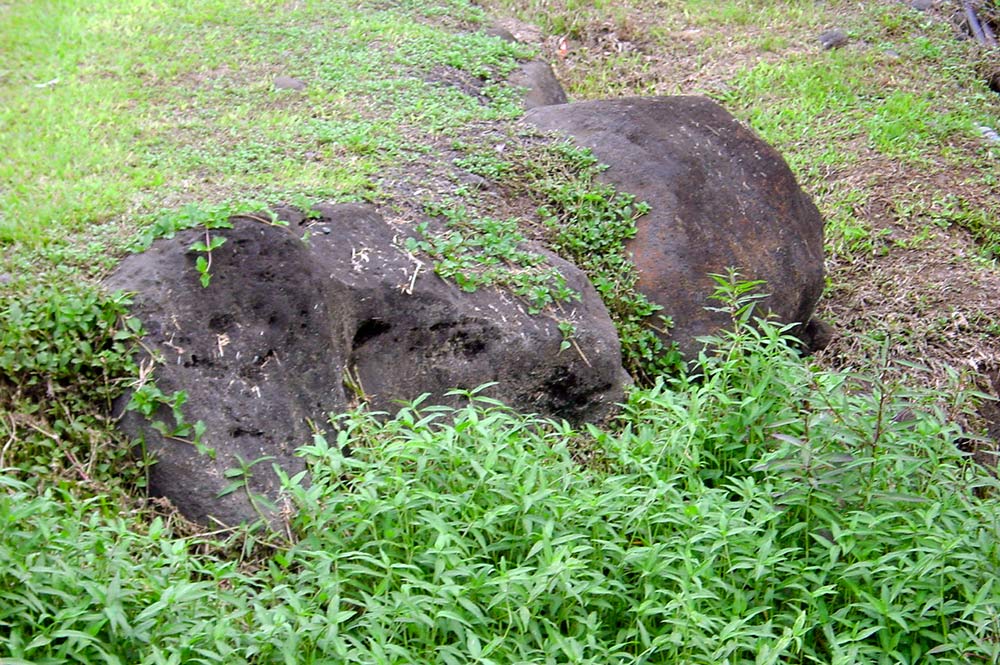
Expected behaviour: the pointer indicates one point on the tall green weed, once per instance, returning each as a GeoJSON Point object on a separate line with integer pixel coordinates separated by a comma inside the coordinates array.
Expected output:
{"type": "Point", "coordinates": [754, 510]}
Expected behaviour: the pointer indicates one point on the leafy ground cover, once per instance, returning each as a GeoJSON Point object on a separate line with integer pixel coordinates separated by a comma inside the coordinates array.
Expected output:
{"type": "Point", "coordinates": [758, 508]}
{"type": "Point", "coordinates": [747, 513]}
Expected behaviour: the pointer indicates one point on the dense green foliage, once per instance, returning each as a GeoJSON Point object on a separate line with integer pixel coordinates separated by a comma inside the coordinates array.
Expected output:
{"type": "Point", "coordinates": [65, 354]}
{"type": "Point", "coordinates": [60, 341]}
{"type": "Point", "coordinates": [756, 511]}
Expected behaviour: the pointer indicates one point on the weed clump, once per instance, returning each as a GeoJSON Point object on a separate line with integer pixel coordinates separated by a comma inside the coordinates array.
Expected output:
{"type": "Point", "coordinates": [477, 252]}
{"type": "Point", "coordinates": [589, 223]}
{"type": "Point", "coordinates": [65, 354]}
{"type": "Point", "coordinates": [754, 510]}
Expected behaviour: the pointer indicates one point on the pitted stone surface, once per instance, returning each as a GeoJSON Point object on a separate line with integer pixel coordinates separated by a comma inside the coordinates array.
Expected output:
{"type": "Point", "coordinates": [290, 330]}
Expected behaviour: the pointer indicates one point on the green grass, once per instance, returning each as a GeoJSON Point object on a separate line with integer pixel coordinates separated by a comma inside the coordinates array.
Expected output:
{"type": "Point", "coordinates": [153, 105]}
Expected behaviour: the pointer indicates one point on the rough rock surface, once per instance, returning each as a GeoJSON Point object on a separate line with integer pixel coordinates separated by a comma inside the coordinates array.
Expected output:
{"type": "Point", "coordinates": [540, 82]}
{"type": "Point", "coordinates": [289, 330]}
{"type": "Point", "coordinates": [720, 198]}
{"type": "Point", "coordinates": [541, 86]}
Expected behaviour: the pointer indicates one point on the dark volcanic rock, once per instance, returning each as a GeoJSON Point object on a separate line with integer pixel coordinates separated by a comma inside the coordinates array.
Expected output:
{"type": "Point", "coordinates": [289, 330]}
{"type": "Point", "coordinates": [413, 336]}
{"type": "Point", "coordinates": [720, 198]}
{"type": "Point", "coordinates": [257, 353]}
{"type": "Point", "coordinates": [501, 33]}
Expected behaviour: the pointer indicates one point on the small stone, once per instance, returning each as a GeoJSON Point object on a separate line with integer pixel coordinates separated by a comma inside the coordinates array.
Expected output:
{"type": "Point", "coordinates": [288, 83]}
{"type": "Point", "coordinates": [921, 5]}
{"type": "Point", "coordinates": [542, 88]}
{"type": "Point", "coordinates": [817, 335]}
{"type": "Point", "coordinates": [5, 278]}
{"type": "Point", "coordinates": [525, 33]}
{"type": "Point", "coordinates": [473, 181]}
{"type": "Point", "coordinates": [894, 54]}
{"type": "Point", "coordinates": [325, 230]}
{"type": "Point", "coordinates": [833, 39]}
{"type": "Point", "coordinates": [988, 133]}
{"type": "Point", "coordinates": [993, 81]}
{"type": "Point", "coordinates": [501, 33]}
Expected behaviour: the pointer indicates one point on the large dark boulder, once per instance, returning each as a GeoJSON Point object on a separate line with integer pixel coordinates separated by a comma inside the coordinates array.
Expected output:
{"type": "Point", "coordinates": [720, 197]}
{"type": "Point", "coordinates": [292, 329]}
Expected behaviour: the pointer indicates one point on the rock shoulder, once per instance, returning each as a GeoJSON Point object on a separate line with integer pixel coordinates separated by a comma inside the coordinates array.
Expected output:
{"type": "Point", "coordinates": [720, 198]}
